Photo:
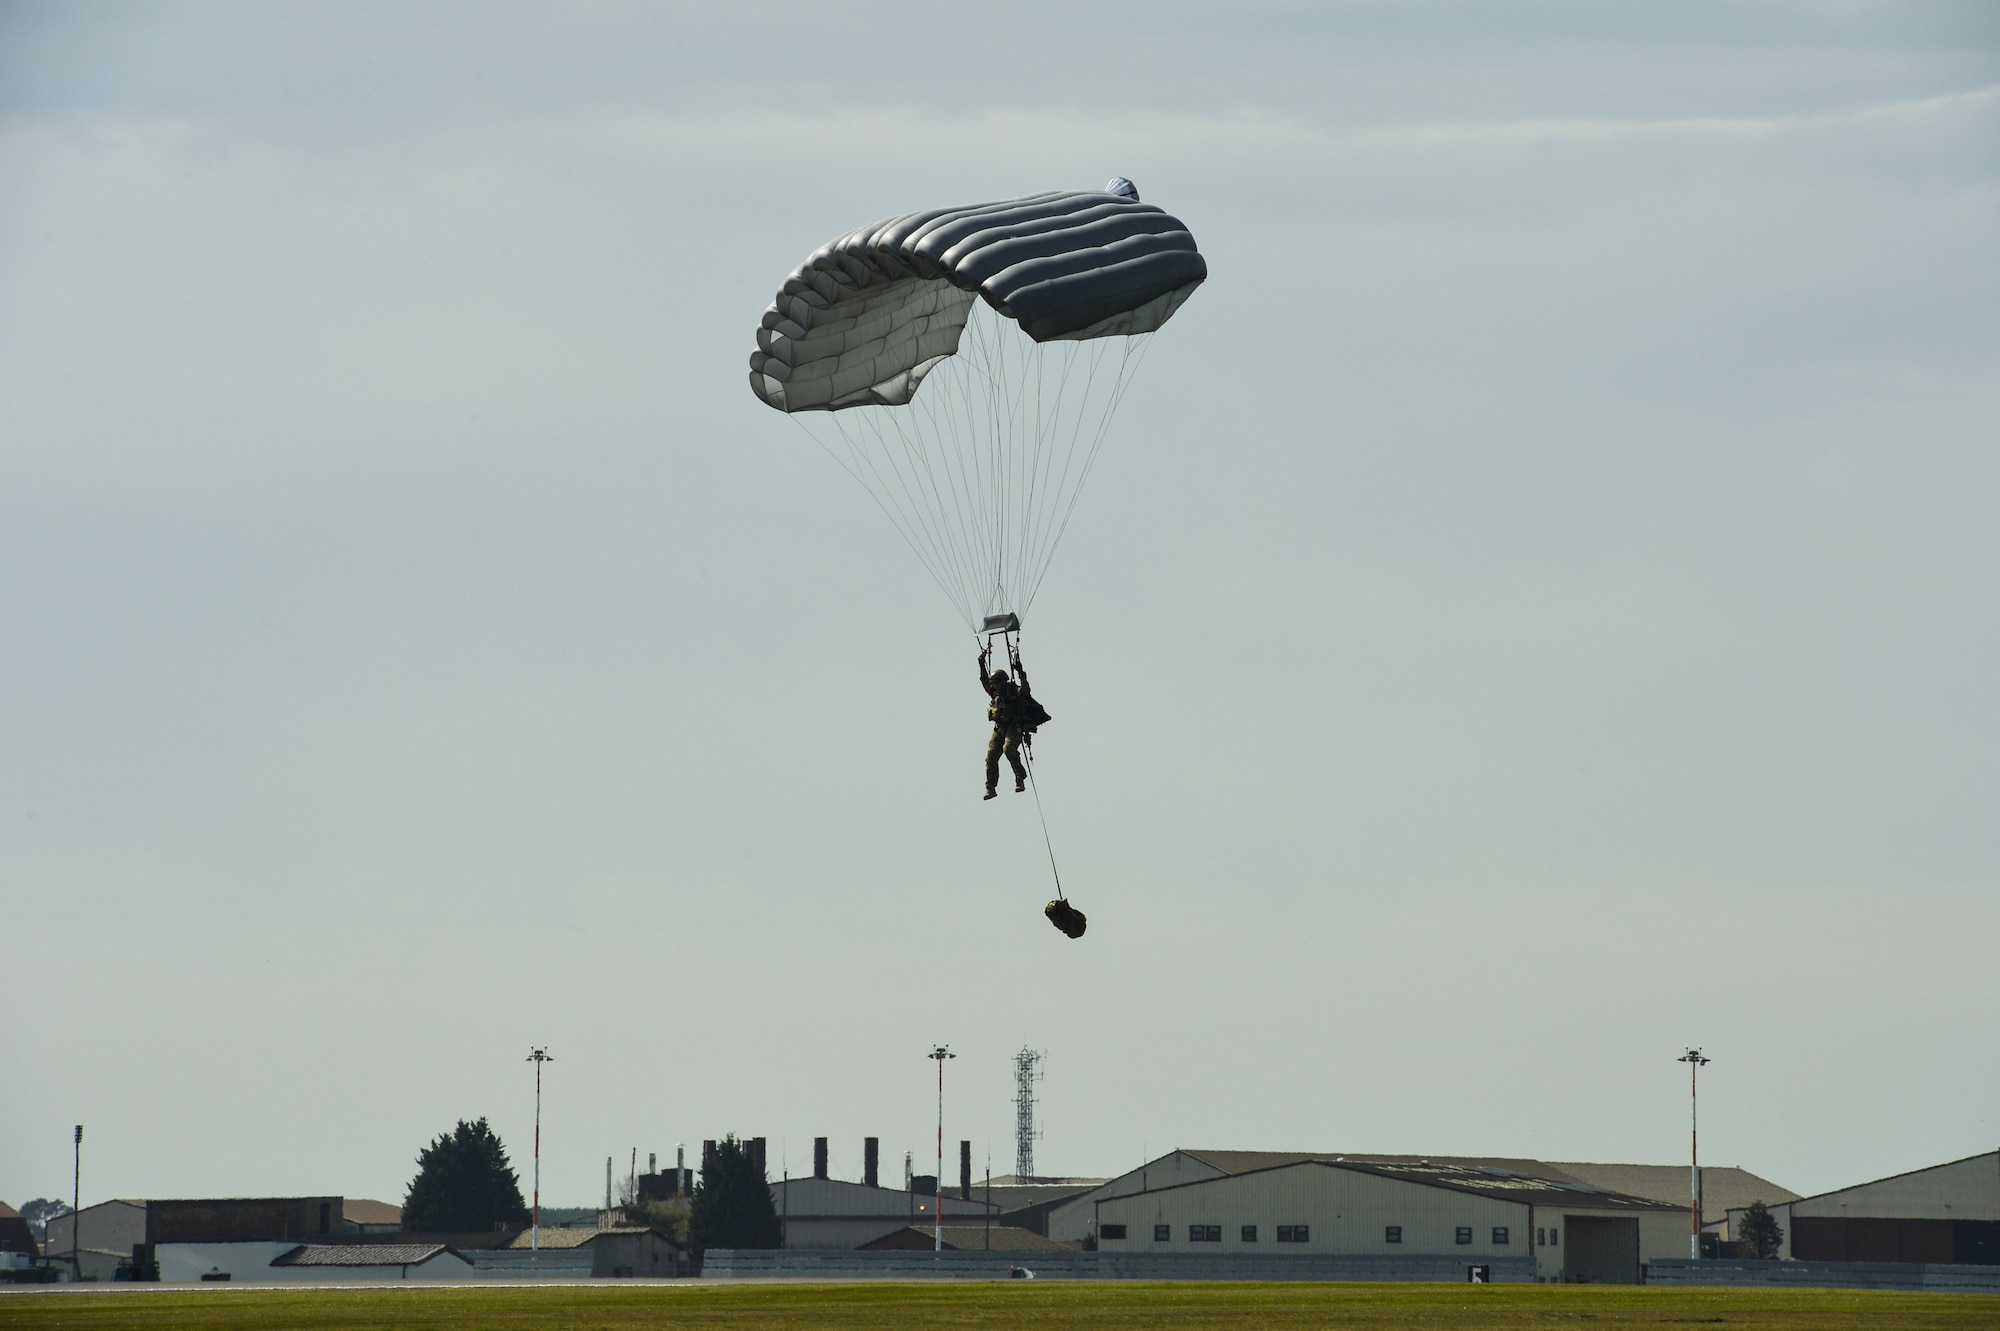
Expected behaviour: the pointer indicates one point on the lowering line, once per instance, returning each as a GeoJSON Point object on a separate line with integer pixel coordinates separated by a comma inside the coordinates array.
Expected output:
{"type": "Point", "coordinates": [1050, 845]}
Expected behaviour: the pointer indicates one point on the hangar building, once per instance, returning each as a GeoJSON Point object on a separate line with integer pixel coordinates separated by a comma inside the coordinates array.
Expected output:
{"type": "Point", "coordinates": [1575, 1232]}
{"type": "Point", "coordinates": [1947, 1213]}
{"type": "Point", "coordinates": [1723, 1188]}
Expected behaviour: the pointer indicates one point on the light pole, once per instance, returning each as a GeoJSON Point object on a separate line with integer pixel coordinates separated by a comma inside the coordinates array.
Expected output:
{"type": "Point", "coordinates": [537, 1057]}
{"type": "Point", "coordinates": [1693, 1058]}
{"type": "Point", "coordinates": [76, 1208]}
{"type": "Point", "coordinates": [941, 1053]}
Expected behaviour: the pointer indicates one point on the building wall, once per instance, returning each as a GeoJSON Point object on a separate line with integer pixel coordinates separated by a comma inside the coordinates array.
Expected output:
{"type": "Point", "coordinates": [833, 1213]}
{"type": "Point", "coordinates": [242, 1261]}
{"type": "Point", "coordinates": [1348, 1213]}
{"type": "Point", "coordinates": [1345, 1212]}
{"type": "Point", "coordinates": [634, 1255]}
{"type": "Point", "coordinates": [106, 1228]}
{"type": "Point", "coordinates": [1913, 1217]}
{"type": "Point", "coordinates": [840, 1232]}
{"type": "Point", "coordinates": [242, 1219]}
{"type": "Point", "coordinates": [1961, 1190]}
{"type": "Point", "coordinates": [1073, 1219]}
{"type": "Point", "coordinates": [250, 1263]}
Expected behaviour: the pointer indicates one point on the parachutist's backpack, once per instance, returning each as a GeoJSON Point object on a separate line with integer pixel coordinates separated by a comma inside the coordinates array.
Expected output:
{"type": "Point", "coordinates": [1066, 917]}
{"type": "Point", "coordinates": [1029, 715]}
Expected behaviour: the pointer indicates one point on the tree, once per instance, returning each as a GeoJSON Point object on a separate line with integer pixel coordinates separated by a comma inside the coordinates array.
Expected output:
{"type": "Point", "coordinates": [40, 1211]}
{"type": "Point", "coordinates": [463, 1183]}
{"type": "Point", "coordinates": [1761, 1235]}
{"type": "Point", "coordinates": [732, 1202]}
{"type": "Point", "coordinates": [671, 1216]}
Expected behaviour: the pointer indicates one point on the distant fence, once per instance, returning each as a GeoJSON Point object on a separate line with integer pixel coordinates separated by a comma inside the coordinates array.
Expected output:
{"type": "Point", "coordinates": [809, 1264]}
{"type": "Point", "coordinates": [1823, 1275]}
{"type": "Point", "coordinates": [525, 1264]}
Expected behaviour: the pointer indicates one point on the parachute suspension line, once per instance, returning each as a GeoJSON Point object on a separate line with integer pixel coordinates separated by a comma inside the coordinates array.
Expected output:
{"type": "Point", "coordinates": [895, 520]}
{"type": "Point", "coordinates": [1069, 359]}
{"type": "Point", "coordinates": [883, 497]}
{"type": "Point", "coordinates": [916, 513]}
{"type": "Point", "coordinates": [1042, 552]}
{"type": "Point", "coordinates": [945, 532]}
{"type": "Point", "coordinates": [1128, 371]}
{"type": "Point", "coordinates": [982, 470]}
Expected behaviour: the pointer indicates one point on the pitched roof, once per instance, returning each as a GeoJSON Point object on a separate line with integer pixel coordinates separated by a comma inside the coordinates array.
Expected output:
{"type": "Point", "coordinates": [553, 1239]}
{"type": "Point", "coordinates": [1722, 1188]}
{"type": "Point", "coordinates": [366, 1211]}
{"type": "Point", "coordinates": [1507, 1185]}
{"type": "Point", "coordinates": [1242, 1162]}
{"type": "Point", "coordinates": [1480, 1180]}
{"type": "Point", "coordinates": [968, 1238]}
{"type": "Point", "coordinates": [363, 1254]}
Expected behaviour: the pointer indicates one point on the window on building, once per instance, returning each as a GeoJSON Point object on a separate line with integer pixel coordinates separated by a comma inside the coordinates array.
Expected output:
{"type": "Point", "coordinates": [1294, 1233]}
{"type": "Point", "coordinates": [1465, 1233]}
{"type": "Point", "coordinates": [1392, 1234]}
{"type": "Point", "coordinates": [1204, 1233]}
{"type": "Point", "coordinates": [1111, 1231]}
{"type": "Point", "coordinates": [1249, 1233]}
{"type": "Point", "coordinates": [1162, 1233]}
{"type": "Point", "coordinates": [1555, 1238]}
{"type": "Point", "coordinates": [1499, 1236]}
{"type": "Point", "coordinates": [1541, 1238]}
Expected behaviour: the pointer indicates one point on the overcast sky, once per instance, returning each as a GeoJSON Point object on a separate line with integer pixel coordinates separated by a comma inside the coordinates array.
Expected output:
{"type": "Point", "coordinates": [1539, 606]}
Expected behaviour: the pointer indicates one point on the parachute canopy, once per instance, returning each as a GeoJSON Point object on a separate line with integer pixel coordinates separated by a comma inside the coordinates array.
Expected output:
{"type": "Point", "coordinates": [867, 316]}
{"type": "Point", "coordinates": [980, 474]}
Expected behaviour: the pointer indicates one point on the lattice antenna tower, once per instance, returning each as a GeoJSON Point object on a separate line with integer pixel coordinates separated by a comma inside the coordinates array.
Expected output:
{"type": "Point", "coordinates": [1026, 1074]}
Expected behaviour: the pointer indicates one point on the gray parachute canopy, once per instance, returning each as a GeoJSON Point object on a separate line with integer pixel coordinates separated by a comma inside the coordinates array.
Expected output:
{"type": "Point", "coordinates": [981, 472]}
{"type": "Point", "coordinates": [867, 316]}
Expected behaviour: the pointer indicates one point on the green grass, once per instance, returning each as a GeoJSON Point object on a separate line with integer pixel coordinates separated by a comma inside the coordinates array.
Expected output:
{"type": "Point", "coordinates": [1011, 1305]}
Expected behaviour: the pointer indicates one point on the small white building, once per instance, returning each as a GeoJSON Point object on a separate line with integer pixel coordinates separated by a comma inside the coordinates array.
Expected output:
{"type": "Point", "coordinates": [1947, 1213]}
{"type": "Point", "coordinates": [1480, 1214]}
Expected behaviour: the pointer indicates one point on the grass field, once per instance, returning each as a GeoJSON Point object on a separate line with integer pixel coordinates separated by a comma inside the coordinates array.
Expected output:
{"type": "Point", "coordinates": [993, 1304]}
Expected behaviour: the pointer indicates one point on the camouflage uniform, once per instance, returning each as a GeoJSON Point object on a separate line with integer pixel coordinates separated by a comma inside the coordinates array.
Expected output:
{"type": "Point", "coordinates": [1005, 712]}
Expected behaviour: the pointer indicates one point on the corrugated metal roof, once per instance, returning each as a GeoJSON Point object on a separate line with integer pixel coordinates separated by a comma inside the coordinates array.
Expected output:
{"type": "Point", "coordinates": [1242, 1162]}
{"type": "Point", "coordinates": [360, 1254]}
{"type": "Point", "coordinates": [557, 1239]}
{"type": "Point", "coordinates": [1721, 1187]}
{"type": "Point", "coordinates": [1508, 1185]}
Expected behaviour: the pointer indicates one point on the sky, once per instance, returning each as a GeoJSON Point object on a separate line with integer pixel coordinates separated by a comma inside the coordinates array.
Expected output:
{"type": "Point", "coordinates": [1537, 608]}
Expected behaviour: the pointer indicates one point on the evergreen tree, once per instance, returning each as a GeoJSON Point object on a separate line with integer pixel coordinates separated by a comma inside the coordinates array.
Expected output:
{"type": "Point", "coordinates": [1761, 1235]}
{"type": "Point", "coordinates": [732, 1202]}
{"type": "Point", "coordinates": [463, 1183]}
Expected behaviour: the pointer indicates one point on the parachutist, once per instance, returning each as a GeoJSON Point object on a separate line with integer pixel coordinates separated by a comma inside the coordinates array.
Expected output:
{"type": "Point", "coordinates": [1015, 716]}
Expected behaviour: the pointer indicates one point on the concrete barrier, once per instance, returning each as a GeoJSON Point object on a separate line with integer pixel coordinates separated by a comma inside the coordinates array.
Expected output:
{"type": "Point", "coordinates": [1823, 1275]}
{"type": "Point", "coordinates": [807, 1264]}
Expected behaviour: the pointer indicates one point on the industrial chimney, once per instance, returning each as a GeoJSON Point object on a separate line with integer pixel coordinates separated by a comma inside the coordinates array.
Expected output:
{"type": "Point", "coordinates": [871, 1153]}
{"type": "Point", "coordinates": [819, 1157]}
{"type": "Point", "coordinates": [965, 1171]}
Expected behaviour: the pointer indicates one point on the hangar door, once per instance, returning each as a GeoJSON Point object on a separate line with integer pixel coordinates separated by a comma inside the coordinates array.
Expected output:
{"type": "Point", "coordinates": [1600, 1250]}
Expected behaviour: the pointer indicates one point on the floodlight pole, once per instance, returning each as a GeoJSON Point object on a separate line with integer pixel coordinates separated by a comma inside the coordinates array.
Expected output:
{"type": "Point", "coordinates": [941, 1053]}
{"type": "Point", "coordinates": [537, 1057]}
{"type": "Point", "coordinates": [1693, 1058]}
{"type": "Point", "coordinates": [76, 1208]}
